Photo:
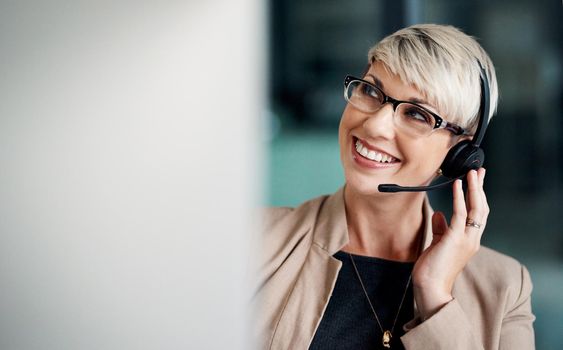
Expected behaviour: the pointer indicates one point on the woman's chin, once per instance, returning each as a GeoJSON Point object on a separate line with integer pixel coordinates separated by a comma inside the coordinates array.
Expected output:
{"type": "Point", "coordinates": [363, 187]}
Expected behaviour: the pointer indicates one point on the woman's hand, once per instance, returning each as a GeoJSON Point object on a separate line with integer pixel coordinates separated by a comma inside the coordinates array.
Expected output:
{"type": "Point", "coordinates": [452, 246]}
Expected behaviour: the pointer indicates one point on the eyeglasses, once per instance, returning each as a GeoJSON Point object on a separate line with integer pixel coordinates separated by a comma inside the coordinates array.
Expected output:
{"type": "Point", "coordinates": [408, 116]}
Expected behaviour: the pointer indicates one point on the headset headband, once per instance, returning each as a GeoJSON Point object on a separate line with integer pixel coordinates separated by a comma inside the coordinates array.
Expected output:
{"type": "Point", "coordinates": [484, 110]}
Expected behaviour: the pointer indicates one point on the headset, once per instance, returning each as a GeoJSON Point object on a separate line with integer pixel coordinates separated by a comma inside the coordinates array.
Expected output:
{"type": "Point", "coordinates": [465, 155]}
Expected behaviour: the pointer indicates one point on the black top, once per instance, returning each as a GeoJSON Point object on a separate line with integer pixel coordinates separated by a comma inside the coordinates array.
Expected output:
{"type": "Point", "coordinates": [348, 322]}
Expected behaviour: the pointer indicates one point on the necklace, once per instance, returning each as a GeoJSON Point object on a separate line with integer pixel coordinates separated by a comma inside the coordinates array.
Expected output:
{"type": "Point", "coordinates": [387, 334]}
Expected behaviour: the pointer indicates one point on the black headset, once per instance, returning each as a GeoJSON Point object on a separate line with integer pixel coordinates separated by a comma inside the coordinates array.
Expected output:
{"type": "Point", "coordinates": [468, 154]}
{"type": "Point", "coordinates": [465, 155]}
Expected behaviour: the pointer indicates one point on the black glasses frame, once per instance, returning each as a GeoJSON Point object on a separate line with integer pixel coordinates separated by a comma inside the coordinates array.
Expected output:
{"type": "Point", "coordinates": [440, 123]}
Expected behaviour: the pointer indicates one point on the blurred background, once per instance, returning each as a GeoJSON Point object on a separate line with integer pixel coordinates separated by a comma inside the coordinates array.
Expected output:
{"type": "Point", "coordinates": [129, 172]}
{"type": "Point", "coordinates": [314, 44]}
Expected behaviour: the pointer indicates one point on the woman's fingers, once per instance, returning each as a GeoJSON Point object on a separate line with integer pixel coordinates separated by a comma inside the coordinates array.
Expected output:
{"type": "Point", "coordinates": [485, 203]}
{"type": "Point", "coordinates": [485, 206]}
{"type": "Point", "coordinates": [472, 206]}
{"type": "Point", "coordinates": [459, 211]}
{"type": "Point", "coordinates": [475, 207]}
{"type": "Point", "coordinates": [481, 173]}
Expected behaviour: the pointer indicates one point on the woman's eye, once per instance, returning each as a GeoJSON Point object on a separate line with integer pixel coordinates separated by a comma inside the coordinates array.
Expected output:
{"type": "Point", "coordinates": [417, 115]}
{"type": "Point", "coordinates": [369, 91]}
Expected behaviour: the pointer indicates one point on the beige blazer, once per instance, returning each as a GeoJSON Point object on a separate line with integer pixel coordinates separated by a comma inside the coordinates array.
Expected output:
{"type": "Point", "coordinates": [297, 273]}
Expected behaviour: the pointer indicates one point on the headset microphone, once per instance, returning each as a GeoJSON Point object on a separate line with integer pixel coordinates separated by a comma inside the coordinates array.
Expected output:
{"type": "Point", "coordinates": [464, 156]}
{"type": "Point", "coordinates": [392, 188]}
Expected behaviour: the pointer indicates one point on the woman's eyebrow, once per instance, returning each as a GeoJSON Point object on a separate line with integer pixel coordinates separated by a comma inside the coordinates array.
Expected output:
{"type": "Point", "coordinates": [416, 100]}
{"type": "Point", "coordinates": [424, 104]}
{"type": "Point", "coordinates": [377, 82]}
{"type": "Point", "coordinates": [419, 101]}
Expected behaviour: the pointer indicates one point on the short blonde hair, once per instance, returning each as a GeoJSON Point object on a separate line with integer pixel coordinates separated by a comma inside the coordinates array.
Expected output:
{"type": "Point", "coordinates": [442, 63]}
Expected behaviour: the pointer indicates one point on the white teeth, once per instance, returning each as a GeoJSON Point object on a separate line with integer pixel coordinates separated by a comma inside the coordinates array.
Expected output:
{"type": "Point", "coordinates": [378, 157]}
{"type": "Point", "coordinates": [373, 155]}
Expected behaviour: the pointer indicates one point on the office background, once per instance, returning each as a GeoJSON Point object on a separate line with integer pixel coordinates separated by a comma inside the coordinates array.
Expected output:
{"type": "Point", "coordinates": [314, 44]}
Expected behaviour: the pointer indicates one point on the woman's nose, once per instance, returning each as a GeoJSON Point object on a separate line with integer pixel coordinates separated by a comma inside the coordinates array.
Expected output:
{"type": "Point", "coordinates": [381, 123]}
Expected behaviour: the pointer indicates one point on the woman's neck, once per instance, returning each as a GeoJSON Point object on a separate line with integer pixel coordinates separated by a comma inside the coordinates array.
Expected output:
{"type": "Point", "coordinates": [389, 227]}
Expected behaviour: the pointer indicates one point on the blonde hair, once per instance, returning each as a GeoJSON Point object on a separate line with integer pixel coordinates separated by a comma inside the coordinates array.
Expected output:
{"type": "Point", "coordinates": [442, 63]}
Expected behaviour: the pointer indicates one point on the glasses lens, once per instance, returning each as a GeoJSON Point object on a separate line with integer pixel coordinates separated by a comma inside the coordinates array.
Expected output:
{"type": "Point", "coordinates": [414, 119]}
{"type": "Point", "coordinates": [365, 97]}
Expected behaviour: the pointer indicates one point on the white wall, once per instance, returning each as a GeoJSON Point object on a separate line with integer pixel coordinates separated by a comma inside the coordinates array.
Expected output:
{"type": "Point", "coordinates": [128, 169]}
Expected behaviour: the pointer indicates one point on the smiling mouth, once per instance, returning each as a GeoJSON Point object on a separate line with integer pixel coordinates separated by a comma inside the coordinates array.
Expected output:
{"type": "Point", "coordinates": [373, 155]}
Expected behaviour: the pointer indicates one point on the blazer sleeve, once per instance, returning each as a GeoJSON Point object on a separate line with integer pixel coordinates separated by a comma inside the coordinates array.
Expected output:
{"type": "Point", "coordinates": [450, 328]}
{"type": "Point", "coordinates": [517, 330]}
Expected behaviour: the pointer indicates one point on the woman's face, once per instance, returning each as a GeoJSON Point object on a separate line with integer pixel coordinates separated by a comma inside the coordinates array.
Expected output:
{"type": "Point", "coordinates": [415, 160]}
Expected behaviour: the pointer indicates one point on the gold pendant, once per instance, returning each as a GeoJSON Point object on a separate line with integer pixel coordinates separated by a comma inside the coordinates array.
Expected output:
{"type": "Point", "coordinates": [386, 339]}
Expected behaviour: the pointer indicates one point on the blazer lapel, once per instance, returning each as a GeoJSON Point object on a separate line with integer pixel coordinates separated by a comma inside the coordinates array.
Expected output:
{"type": "Point", "coordinates": [307, 302]}
{"type": "Point", "coordinates": [313, 288]}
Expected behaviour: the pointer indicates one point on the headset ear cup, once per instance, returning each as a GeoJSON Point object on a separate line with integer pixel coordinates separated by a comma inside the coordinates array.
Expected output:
{"type": "Point", "coordinates": [461, 158]}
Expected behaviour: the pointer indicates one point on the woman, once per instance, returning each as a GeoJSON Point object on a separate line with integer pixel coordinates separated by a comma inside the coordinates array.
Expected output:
{"type": "Point", "coordinates": [364, 269]}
